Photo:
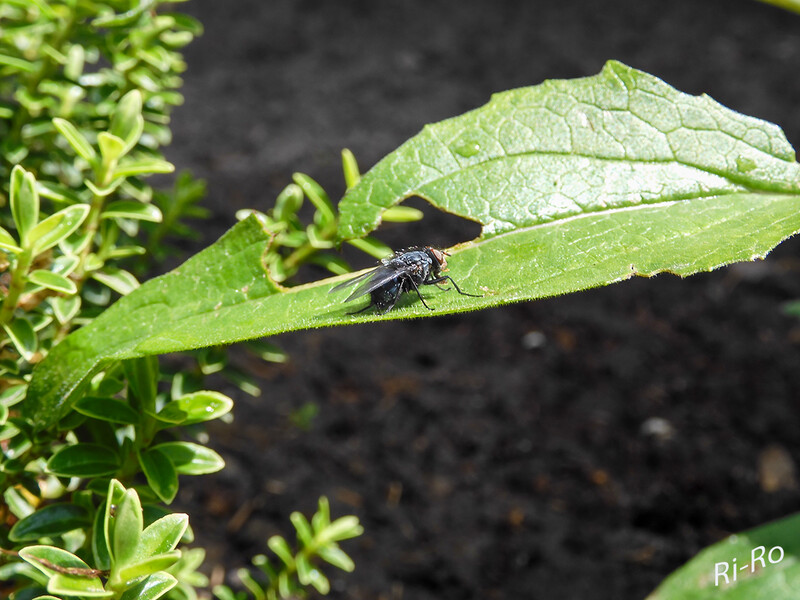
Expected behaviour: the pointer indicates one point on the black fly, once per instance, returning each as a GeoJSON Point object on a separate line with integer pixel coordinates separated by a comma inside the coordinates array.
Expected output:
{"type": "Point", "coordinates": [402, 272]}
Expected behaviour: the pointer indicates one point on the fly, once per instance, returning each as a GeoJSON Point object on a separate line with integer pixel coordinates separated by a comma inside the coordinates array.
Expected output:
{"type": "Point", "coordinates": [404, 271]}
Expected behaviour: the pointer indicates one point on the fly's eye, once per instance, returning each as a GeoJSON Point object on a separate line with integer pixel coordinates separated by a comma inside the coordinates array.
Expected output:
{"type": "Point", "coordinates": [439, 256]}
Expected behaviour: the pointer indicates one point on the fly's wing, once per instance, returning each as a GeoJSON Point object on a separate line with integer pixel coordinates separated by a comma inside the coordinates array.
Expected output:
{"type": "Point", "coordinates": [353, 281]}
{"type": "Point", "coordinates": [368, 281]}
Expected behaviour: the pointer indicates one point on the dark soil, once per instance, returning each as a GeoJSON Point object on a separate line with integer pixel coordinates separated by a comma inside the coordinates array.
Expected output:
{"type": "Point", "coordinates": [577, 447]}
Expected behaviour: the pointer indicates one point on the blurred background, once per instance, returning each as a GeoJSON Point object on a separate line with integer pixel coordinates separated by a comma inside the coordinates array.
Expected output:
{"type": "Point", "coordinates": [585, 445]}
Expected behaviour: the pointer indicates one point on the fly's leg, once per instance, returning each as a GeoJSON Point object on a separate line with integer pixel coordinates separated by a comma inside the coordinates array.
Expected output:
{"type": "Point", "coordinates": [439, 280]}
{"type": "Point", "coordinates": [416, 289]}
{"type": "Point", "coordinates": [367, 307]}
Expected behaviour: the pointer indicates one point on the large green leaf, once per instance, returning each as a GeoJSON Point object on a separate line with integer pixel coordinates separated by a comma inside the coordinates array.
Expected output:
{"type": "Point", "coordinates": [766, 562]}
{"type": "Point", "coordinates": [621, 140]}
{"type": "Point", "coordinates": [577, 184]}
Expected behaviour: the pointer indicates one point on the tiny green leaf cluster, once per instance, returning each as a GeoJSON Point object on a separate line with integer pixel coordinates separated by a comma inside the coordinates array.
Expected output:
{"type": "Point", "coordinates": [293, 243]}
{"type": "Point", "coordinates": [297, 570]}
{"type": "Point", "coordinates": [133, 561]}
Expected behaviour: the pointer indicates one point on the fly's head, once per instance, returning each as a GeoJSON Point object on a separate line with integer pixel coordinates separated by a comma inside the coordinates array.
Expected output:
{"type": "Point", "coordinates": [439, 263]}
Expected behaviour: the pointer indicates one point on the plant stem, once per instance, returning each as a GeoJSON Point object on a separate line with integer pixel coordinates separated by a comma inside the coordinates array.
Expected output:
{"type": "Point", "coordinates": [18, 279]}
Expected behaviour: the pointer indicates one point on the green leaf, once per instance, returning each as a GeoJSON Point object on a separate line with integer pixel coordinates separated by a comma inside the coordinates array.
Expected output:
{"type": "Point", "coordinates": [303, 528]}
{"type": "Point", "coordinates": [111, 147]}
{"type": "Point", "coordinates": [371, 246]}
{"type": "Point", "coordinates": [767, 567]}
{"type": "Point", "coordinates": [57, 227]}
{"type": "Point", "coordinates": [76, 139]}
{"type": "Point", "coordinates": [581, 150]}
{"type": "Point", "coordinates": [119, 280]}
{"type": "Point", "coordinates": [18, 63]}
{"type": "Point", "coordinates": [191, 459]}
{"type": "Point", "coordinates": [337, 557]}
{"type": "Point", "coordinates": [74, 585]}
{"type": "Point", "coordinates": [130, 209]}
{"type": "Point", "coordinates": [106, 190]}
{"type": "Point", "coordinates": [24, 200]}
{"type": "Point", "coordinates": [352, 174]}
{"type": "Point", "coordinates": [83, 460]}
{"type": "Point", "coordinates": [48, 521]}
{"type": "Point", "coordinates": [65, 309]}
{"type": "Point", "coordinates": [22, 335]}
{"type": "Point", "coordinates": [107, 409]}
{"type": "Point", "coordinates": [146, 166]}
{"type": "Point", "coordinates": [152, 588]}
{"type": "Point", "coordinates": [148, 566]}
{"type": "Point", "coordinates": [196, 408]}
{"type": "Point", "coordinates": [317, 196]}
{"type": "Point", "coordinates": [52, 281]}
{"type": "Point", "coordinates": [288, 202]}
{"type": "Point", "coordinates": [160, 473]}
{"type": "Point", "coordinates": [127, 529]}
{"type": "Point", "coordinates": [342, 528]}
{"type": "Point", "coordinates": [162, 536]}
{"type": "Point", "coordinates": [7, 242]}
{"type": "Point", "coordinates": [590, 182]}
{"type": "Point", "coordinates": [80, 579]}
{"type": "Point", "coordinates": [402, 214]}
{"type": "Point", "coordinates": [127, 123]}
{"type": "Point", "coordinates": [281, 547]}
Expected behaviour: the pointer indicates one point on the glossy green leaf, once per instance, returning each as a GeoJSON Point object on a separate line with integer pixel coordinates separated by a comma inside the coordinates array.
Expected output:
{"type": "Point", "coordinates": [114, 496]}
{"type": "Point", "coordinates": [402, 214]}
{"type": "Point", "coordinates": [105, 190]}
{"type": "Point", "coordinates": [191, 459]}
{"type": "Point", "coordinates": [130, 209]}
{"type": "Point", "coordinates": [759, 564]}
{"type": "Point", "coordinates": [7, 242]}
{"type": "Point", "coordinates": [577, 184]}
{"type": "Point", "coordinates": [288, 202]}
{"type": "Point", "coordinates": [317, 196]}
{"type": "Point", "coordinates": [107, 409]}
{"type": "Point", "coordinates": [52, 281]}
{"type": "Point", "coordinates": [352, 174]}
{"type": "Point", "coordinates": [83, 460]}
{"type": "Point", "coordinates": [127, 123]}
{"type": "Point", "coordinates": [148, 566]}
{"type": "Point", "coordinates": [24, 201]}
{"type": "Point", "coordinates": [127, 529]}
{"type": "Point", "coordinates": [196, 408]}
{"type": "Point", "coordinates": [146, 166]}
{"type": "Point", "coordinates": [65, 309]}
{"type": "Point", "coordinates": [160, 473]}
{"type": "Point", "coordinates": [371, 246]}
{"type": "Point", "coordinates": [566, 153]}
{"type": "Point", "coordinates": [76, 139]}
{"type": "Point", "coordinates": [23, 336]}
{"type": "Point", "coordinates": [67, 584]}
{"type": "Point", "coordinates": [51, 520]}
{"type": "Point", "coordinates": [79, 578]}
{"type": "Point", "coordinates": [57, 227]}
{"type": "Point", "coordinates": [162, 536]}
{"type": "Point", "coordinates": [119, 280]}
{"type": "Point", "coordinates": [111, 147]}
{"type": "Point", "coordinates": [152, 588]}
